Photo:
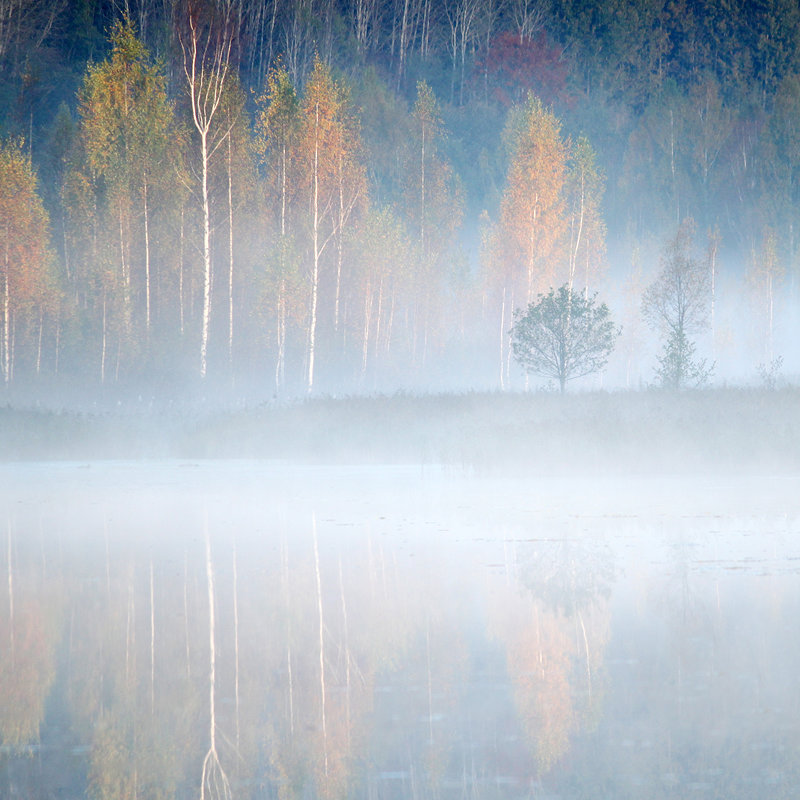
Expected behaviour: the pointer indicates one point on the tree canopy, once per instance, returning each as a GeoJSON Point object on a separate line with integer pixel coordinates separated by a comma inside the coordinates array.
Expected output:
{"type": "Point", "coordinates": [563, 335]}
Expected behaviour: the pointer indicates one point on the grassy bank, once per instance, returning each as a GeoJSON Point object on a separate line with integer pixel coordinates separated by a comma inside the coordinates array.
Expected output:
{"type": "Point", "coordinates": [737, 429]}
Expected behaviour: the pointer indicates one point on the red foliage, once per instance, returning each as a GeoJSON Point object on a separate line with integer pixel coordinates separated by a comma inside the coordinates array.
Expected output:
{"type": "Point", "coordinates": [514, 65]}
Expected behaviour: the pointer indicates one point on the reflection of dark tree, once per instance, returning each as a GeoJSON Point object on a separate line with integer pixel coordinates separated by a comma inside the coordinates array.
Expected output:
{"type": "Point", "coordinates": [555, 633]}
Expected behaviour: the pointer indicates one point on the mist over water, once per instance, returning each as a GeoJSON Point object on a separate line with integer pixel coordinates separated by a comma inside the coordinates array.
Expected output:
{"type": "Point", "coordinates": [393, 632]}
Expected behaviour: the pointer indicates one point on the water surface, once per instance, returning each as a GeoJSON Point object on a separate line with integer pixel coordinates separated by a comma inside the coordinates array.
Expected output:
{"type": "Point", "coordinates": [395, 632]}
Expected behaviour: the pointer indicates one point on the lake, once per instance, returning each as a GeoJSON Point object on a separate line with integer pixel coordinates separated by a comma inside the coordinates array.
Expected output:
{"type": "Point", "coordinates": [268, 630]}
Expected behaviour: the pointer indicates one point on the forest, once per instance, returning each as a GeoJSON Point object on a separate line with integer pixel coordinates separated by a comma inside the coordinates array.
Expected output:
{"type": "Point", "coordinates": [290, 197]}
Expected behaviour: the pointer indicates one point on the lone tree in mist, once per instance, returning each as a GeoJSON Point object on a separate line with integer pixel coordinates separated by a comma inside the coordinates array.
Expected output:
{"type": "Point", "coordinates": [677, 303]}
{"type": "Point", "coordinates": [563, 335]}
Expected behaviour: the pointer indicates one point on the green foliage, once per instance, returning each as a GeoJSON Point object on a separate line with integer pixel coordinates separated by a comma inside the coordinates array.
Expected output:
{"type": "Point", "coordinates": [563, 335]}
{"type": "Point", "coordinates": [677, 366]}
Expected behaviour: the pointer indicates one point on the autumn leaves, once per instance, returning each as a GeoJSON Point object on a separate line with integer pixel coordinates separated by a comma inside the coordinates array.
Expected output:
{"type": "Point", "coordinates": [550, 230]}
{"type": "Point", "coordinates": [199, 230]}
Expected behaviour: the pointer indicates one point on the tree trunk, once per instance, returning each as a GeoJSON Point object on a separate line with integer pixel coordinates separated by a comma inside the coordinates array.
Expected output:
{"type": "Point", "coordinates": [103, 345]}
{"type": "Point", "coordinates": [230, 255]}
{"type": "Point", "coordinates": [206, 256]}
{"type": "Point", "coordinates": [339, 245]}
{"type": "Point", "coordinates": [180, 274]}
{"type": "Point", "coordinates": [502, 340]}
{"type": "Point", "coordinates": [6, 325]}
{"type": "Point", "coordinates": [312, 330]}
{"type": "Point", "coordinates": [146, 258]}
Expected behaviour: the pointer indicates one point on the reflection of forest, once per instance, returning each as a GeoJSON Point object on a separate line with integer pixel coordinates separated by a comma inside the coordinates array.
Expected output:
{"type": "Point", "coordinates": [356, 661]}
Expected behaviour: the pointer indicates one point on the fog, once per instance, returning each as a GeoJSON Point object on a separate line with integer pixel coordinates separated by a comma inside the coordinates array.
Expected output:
{"type": "Point", "coordinates": [394, 632]}
{"type": "Point", "coordinates": [285, 511]}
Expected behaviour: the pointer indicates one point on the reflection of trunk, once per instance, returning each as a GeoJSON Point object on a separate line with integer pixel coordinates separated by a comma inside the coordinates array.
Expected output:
{"type": "Point", "coordinates": [214, 783]}
{"type": "Point", "coordinates": [10, 599]}
{"type": "Point", "coordinates": [346, 653]}
{"type": "Point", "coordinates": [212, 649]}
{"type": "Point", "coordinates": [588, 657]}
{"type": "Point", "coordinates": [321, 649]}
{"type": "Point", "coordinates": [236, 643]}
{"type": "Point", "coordinates": [430, 680]}
{"type": "Point", "coordinates": [287, 601]}
{"type": "Point", "coordinates": [130, 634]}
{"type": "Point", "coordinates": [186, 613]}
{"type": "Point", "coordinates": [152, 643]}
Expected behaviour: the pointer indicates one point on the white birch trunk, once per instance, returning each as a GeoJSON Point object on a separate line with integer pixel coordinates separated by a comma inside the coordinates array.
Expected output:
{"type": "Point", "coordinates": [312, 331]}
{"type": "Point", "coordinates": [146, 258]}
{"type": "Point", "coordinates": [206, 255]}
{"type": "Point", "coordinates": [6, 326]}
{"type": "Point", "coordinates": [230, 254]}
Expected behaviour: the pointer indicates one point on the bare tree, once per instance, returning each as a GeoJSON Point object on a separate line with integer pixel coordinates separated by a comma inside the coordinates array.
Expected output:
{"type": "Point", "coordinates": [462, 15]}
{"type": "Point", "coordinates": [528, 16]}
{"type": "Point", "coordinates": [677, 303]}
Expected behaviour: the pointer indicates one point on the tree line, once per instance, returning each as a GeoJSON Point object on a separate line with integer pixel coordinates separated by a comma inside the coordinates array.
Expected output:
{"type": "Point", "coordinates": [299, 191]}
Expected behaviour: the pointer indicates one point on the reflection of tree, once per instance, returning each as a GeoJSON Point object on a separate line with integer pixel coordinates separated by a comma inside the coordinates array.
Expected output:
{"type": "Point", "coordinates": [555, 638]}
{"type": "Point", "coordinates": [417, 698]}
{"type": "Point", "coordinates": [28, 631]}
{"type": "Point", "coordinates": [27, 669]}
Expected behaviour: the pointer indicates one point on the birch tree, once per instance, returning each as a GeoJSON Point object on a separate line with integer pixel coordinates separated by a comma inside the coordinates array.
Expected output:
{"type": "Point", "coordinates": [676, 304]}
{"type": "Point", "coordinates": [434, 206]}
{"type": "Point", "coordinates": [586, 228]}
{"type": "Point", "coordinates": [237, 167]}
{"type": "Point", "coordinates": [127, 124]}
{"type": "Point", "coordinates": [277, 142]}
{"type": "Point", "coordinates": [532, 207]}
{"type": "Point", "coordinates": [523, 249]}
{"type": "Point", "coordinates": [320, 146]}
{"type": "Point", "coordinates": [764, 276]}
{"type": "Point", "coordinates": [25, 257]}
{"type": "Point", "coordinates": [206, 48]}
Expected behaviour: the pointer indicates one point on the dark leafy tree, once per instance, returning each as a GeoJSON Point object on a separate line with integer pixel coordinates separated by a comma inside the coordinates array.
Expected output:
{"type": "Point", "coordinates": [563, 335]}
